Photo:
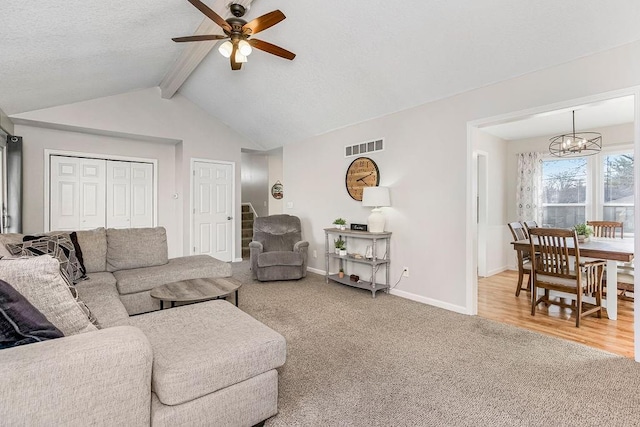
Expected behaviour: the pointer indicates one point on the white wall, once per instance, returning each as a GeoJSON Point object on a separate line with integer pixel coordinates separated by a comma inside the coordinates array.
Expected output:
{"type": "Point", "coordinates": [144, 113]}
{"type": "Point", "coordinates": [274, 157]}
{"type": "Point", "coordinates": [497, 231]}
{"type": "Point", "coordinates": [255, 175]}
{"type": "Point", "coordinates": [36, 140]}
{"type": "Point", "coordinates": [426, 163]}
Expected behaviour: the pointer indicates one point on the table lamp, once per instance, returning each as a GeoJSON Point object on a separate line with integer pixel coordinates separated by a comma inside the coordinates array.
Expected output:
{"type": "Point", "coordinates": [376, 197]}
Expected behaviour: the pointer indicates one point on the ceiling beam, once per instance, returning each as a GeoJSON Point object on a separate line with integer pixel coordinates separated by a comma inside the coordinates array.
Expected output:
{"type": "Point", "coordinates": [195, 52]}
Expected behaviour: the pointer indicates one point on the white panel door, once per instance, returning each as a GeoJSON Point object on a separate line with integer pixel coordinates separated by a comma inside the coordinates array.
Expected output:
{"type": "Point", "coordinates": [213, 185]}
{"type": "Point", "coordinates": [92, 193]}
{"type": "Point", "coordinates": [77, 193]}
{"type": "Point", "coordinates": [64, 210]}
{"type": "Point", "coordinates": [141, 195]}
{"type": "Point", "coordinates": [118, 194]}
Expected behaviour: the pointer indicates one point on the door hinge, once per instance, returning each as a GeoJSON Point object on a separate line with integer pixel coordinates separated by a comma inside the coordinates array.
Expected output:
{"type": "Point", "coordinates": [194, 249]}
{"type": "Point", "coordinates": [194, 210]}
{"type": "Point", "coordinates": [194, 173]}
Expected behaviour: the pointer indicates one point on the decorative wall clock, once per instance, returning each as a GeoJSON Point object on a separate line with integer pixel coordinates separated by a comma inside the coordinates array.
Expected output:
{"type": "Point", "coordinates": [362, 172]}
{"type": "Point", "coordinates": [277, 190]}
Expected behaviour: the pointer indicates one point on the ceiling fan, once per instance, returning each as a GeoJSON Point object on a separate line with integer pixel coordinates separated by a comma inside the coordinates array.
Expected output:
{"type": "Point", "coordinates": [239, 31]}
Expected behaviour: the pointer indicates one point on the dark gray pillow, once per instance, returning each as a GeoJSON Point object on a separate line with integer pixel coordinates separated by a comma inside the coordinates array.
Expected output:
{"type": "Point", "coordinates": [20, 322]}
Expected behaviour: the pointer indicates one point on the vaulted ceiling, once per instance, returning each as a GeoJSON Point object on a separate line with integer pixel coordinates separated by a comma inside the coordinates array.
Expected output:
{"type": "Point", "coordinates": [355, 60]}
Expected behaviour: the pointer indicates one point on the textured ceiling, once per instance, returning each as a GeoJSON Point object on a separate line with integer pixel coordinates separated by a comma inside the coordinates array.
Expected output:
{"type": "Point", "coordinates": [356, 60]}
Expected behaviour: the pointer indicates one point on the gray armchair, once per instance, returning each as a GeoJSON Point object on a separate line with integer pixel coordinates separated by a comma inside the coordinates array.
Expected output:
{"type": "Point", "coordinates": [277, 251]}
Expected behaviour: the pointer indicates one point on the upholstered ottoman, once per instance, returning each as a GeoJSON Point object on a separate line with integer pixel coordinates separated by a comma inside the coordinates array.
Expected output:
{"type": "Point", "coordinates": [208, 358]}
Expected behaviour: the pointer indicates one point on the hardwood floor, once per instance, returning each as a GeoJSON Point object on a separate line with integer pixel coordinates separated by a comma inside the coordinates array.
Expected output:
{"type": "Point", "coordinates": [497, 301]}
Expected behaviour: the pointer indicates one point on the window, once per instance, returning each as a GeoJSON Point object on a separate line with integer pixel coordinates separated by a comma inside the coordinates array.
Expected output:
{"type": "Point", "coordinates": [564, 192]}
{"type": "Point", "coordinates": [618, 190]}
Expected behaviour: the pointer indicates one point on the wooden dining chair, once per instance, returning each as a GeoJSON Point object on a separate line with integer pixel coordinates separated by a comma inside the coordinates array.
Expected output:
{"type": "Point", "coordinates": [530, 224]}
{"type": "Point", "coordinates": [524, 259]}
{"type": "Point", "coordinates": [625, 269]}
{"type": "Point", "coordinates": [606, 228]}
{"type": "Point", "coordinates": [554, 270]}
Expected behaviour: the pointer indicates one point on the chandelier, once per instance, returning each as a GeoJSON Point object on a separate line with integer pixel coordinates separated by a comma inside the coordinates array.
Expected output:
{"type": "Point", "coordinates": [576, 144]}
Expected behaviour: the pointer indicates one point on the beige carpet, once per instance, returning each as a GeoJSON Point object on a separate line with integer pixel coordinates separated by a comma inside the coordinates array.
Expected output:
{"type": "Point", "coordinates": [356, 361]}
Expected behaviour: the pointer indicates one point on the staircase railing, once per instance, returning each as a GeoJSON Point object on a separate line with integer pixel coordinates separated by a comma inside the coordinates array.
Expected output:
{"type": "Point", "coordinates": [255, 214]}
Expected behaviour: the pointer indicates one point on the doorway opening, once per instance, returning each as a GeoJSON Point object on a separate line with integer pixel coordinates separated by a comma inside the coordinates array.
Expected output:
{"type": "Point", "coordinates": [540, 122]}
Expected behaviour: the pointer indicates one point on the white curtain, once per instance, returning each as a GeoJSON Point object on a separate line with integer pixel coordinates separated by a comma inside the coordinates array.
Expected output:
{"type": "Point", "coordinates": [529, 187]}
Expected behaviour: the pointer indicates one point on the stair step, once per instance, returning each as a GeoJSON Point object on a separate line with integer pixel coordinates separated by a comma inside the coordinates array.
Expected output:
{"type": "Point", "coordinates": [247, 232]}
{"type": "Point", "coordinates": [247, 216]}
{"type": "Point", "coordinates": [245, 208]}
{"type": "Point", "coordinates": [245, 253]}
{"type": "Point", "coordinates": [246, 224]}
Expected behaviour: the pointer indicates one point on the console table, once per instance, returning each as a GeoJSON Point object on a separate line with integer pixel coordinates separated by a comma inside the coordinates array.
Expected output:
{"type": "Point", "coordinates": [376, 260]}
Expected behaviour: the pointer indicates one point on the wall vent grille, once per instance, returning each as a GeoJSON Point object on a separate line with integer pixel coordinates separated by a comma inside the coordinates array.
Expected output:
{"type": "Point", "coordinates": [364, 147]}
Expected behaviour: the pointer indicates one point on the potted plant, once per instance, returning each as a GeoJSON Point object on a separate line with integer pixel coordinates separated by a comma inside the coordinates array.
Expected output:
{"type": "Point", "coordinates": [339, 243]}
{"type": "Point", "coordinates": [583, 231]}
{"type": "Point", "coordinates": [340, 223]}
{"type": "Point", "coordinates": [343, 250]}
{"type": "Point", "coordinates": [341, 273]}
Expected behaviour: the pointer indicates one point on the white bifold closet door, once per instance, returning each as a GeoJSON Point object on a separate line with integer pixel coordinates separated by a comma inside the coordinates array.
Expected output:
{"type": "Point", "coordinates": [77, 193]}
{"type": "Point", "coordinates": [129, 194]}
{"type": "Point", "coordinates": [88, 193]}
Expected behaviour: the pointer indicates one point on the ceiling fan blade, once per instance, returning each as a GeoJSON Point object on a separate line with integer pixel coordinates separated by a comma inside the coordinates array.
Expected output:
{"type": "Point", "coordinates": [272, 49]}
{"type": "Point", "coordinates": [263, 22]}
{"type": "Point", "coordinates": [210, 14]}
{"type": "Point", "coordinates": [235, 65]}
{"type": "Point", "coordinates": [199, 38]}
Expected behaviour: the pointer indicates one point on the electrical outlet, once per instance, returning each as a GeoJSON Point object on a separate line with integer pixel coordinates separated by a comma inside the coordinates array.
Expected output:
{"type": "Point", "coordinates": [315, 253]}
{"type": "Point", "coordinates": [405, 271]}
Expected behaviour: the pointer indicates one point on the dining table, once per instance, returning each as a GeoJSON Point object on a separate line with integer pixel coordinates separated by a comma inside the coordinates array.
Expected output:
{"type": "Point", "coordinates": [610, 250]}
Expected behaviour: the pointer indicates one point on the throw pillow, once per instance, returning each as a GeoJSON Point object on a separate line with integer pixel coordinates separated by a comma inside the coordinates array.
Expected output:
{"type": "Point", "coordinates": [59, 246]}
{"type": "Point", "coordinates": [40, 281]}
{"type": "Point", "coordinates": [20, 322]}
{"type": "Point", "coordinates": [76, 246]}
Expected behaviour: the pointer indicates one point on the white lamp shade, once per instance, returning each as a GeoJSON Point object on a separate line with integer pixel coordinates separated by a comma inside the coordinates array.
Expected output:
{"type": "Point", "coordinates": [244, 47]}
{"type": "Point", "coordinates": [240, 58]}
{"type": "Point", "coordinates": [376, 197]}
{"type": "Point", "coordinates": [225, 49]}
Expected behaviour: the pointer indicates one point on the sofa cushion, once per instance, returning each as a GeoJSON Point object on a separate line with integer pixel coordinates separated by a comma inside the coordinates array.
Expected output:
{"type": "Point", "coordinates": [101, 296]}
{"type": "Point", "coordinates": [58, 246]}
{"type": "Point", "coordinates": [136, 247]}
{"type": "Point", "coordinates": [201, 348]}
{"type": "Point", "coordinates": [270, 259]}
{"type": "Point", "coordinates": [20, 322]}
{"type": "Point", "coordinates": [182, 268]}
{"type": "Point", "coordinates": [94, 249]}
{"type": "Point", "coordinates": [40, 281]}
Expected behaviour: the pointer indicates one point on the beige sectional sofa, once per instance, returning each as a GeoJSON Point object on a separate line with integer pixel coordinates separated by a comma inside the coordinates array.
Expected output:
{"type": "Point", "coordinates": [201, 364]}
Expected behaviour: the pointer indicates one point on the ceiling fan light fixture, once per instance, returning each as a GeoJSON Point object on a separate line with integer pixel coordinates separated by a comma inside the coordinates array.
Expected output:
{"type": "Point", "coordinates": [240, 58]}
{"type": "Point", "coordinates": [244, 48]}
{"type": "Point", "coordinates": [225, 49]}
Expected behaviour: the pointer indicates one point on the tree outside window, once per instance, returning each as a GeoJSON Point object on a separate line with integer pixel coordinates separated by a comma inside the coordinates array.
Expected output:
{"type": "Point", "coordinates": [618, 190]}
{"type": "Point", "coordinates": [564, 192]}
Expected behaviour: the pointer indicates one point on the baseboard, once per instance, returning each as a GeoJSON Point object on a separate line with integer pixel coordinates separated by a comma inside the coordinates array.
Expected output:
{"type": "Point", "coordinates": [237, 260]}
{"type": "Point", "coordinates": [317, 271]}
{"type": "Point", "coordinates": [497, 270]}
{"type": "Point", "coordinates": [429, 301]}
